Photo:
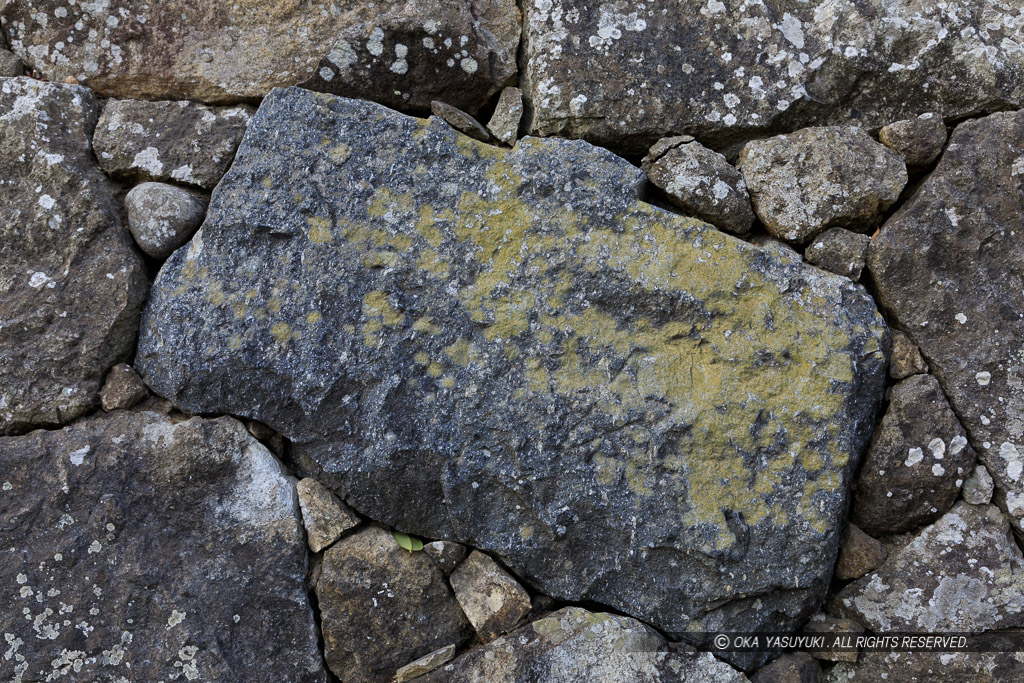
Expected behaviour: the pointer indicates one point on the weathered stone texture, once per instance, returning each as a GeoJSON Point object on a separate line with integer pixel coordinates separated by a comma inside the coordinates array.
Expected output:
{"type": "Point", "coordinates": [919, 140]}
{"type": "Point", "coordinates": [404, 54]}
{"type": "Point", "coordinates": [931, 667]}
{"type": "Point", "coordinates": [949, 267]}
{"type": "Point", "coordinates": [136, 548]}
{"type": "Point", "coordinates": [162, 217]}
{"type": "Point", "coordinates": [71, 286]}
{"type": "Point", "coordinates": [507, 349]}
{"type": "Point", "coordinates": [624, 74]}
{"type": "Point", "coordinates": [122, 389]}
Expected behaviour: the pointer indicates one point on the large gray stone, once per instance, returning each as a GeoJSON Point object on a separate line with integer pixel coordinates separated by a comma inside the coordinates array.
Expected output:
{"type": "Point", "coordinates": [71, 286]}
{"type": "Point", "coordinates": [179, 142]}
{"type": "Point", "coordinates": [949, 267]}
{"type": "Point", "coordinates": [507, 349]}
{"type": "Point", "coordinates": [136, 548]}
{"type": "Point", "coordinates": [576, 645]}
{"type": "Point", "coordinates": [625, 74]}
{"type": "Point", "coordinates": [402, 53]}
{"type": "Point", "coordinates": [962, 574]}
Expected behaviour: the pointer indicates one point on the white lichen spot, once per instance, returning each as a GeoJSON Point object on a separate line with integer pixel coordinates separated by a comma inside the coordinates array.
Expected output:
{"type": "Point", "coordinates": [792, 30]}
{"type": "Point", "coordinates": [78, 457]}
{"type": "Point", "coordinates": [149, 160]}
{"type": "Point", "coordinates": [957, 444]}
{"type": "Point", "coordinates": [1011, 456]}
{"type": "Point", "coordinates": [469, 65]}
{"type": "Point", "coordinates": [375, 45]}
{"type": "Point", "coordinates": [983, 378]}
{"type": "Point", "coordinates": [47, 202]}
{"type": "Point", "coordinates": [175, 618]}
{"type": "Point", "coordinates": [914, 456]}
{"type": "Point", "coordinates": [40, 279]}
{"type": "Point", "coordinates": [938, 470]}
{"type": "Point", "coordinates": [961, 318]}
{"type": "Point", "coordinates": [95, 547]}
{"type": "Point", "coordinates": [7, 486]}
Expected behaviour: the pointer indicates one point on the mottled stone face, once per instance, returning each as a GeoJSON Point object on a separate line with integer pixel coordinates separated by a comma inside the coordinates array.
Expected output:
{"type": "Point", "coordinates": [507, 348]}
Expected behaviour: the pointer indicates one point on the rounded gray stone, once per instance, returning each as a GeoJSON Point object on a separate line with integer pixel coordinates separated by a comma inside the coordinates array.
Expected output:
{"type": "Point", "coordinates": [162, 217]}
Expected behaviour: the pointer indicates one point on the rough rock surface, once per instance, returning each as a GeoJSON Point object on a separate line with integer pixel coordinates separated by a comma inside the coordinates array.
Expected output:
{"type": "Point", "coordinates": [122, 389]}
{"type": "Point", "coordinates": [963, 574]}
{"type": "Point", "coordinates": [654, 426]}
{"type": "Point", "coordinates": [383, 607]}
{"type": "Point", "coordinates": [325, 517]}
{"type": "Point", "coordinates": [576, 645]}
{"type": "Point", "coordinates": [445, 554]}
{"type": "Point", "coordinates": [919, 141]}
{"type": "Point", "coordinates": [906, 358]}
{"type": "Point", "coordinates": [931, 667]}
{"type": "Point", "coordinates": [70, 284]}
{"type": "Point", "coordinates": [624, 74]}
{"type": "Point", "coordinates": [128, 570]}
{"type": "Point", "coordinates": [10, 65]}
{"type": "Point", "coordinates": [507, 116]}
{"type": "Point", "coordinates": [405, 54]}
{"type": "Point", "coordinates": [491, 599]}
{"type": "Point", "coordinates": [949, 266]}
{"type": "Point", "coordinates": [702, 183]}
{"type": "Point", "coordinates": [424, 664]}
{"type": "Point", "coordinates": [858, 554]}
{"type": "Point", "coordinates": [162, 217]}
{"type": "Point", "coordinates": [917, 461]}
{"type": "Point", "coordinates": [840, 251]}
{"type": "Point", "coordinates": [799, 667]}
{"type": "Point", "coordinates": [977, 490]}
{"type": "Point", "coordinates": [820, 178]}
{"type": "Point", "coordinates": [169, 141]}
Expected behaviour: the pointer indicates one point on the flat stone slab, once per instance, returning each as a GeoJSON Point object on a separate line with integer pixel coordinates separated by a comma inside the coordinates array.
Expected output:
{"type": "Point", "coordinates": [136, 548]}
{"type": "Point", "coordinates": [505, 348]}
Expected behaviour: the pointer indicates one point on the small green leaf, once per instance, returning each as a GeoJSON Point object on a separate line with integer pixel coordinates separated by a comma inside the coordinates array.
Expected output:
{"type": "Point", "coordinates": [410, 543]}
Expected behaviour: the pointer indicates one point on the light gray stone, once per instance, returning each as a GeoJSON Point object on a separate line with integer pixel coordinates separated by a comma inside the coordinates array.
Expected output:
{"type": "Point", "coordinates": [163, 217]}
{"type": "Point", "coordinates": [491, 599]}
{"type": "Point", "coordinates": [977, 490]}
{"type": "Point", "coordinates": [931, 667]}
{"type": "Point", "coordinates": [507, 116]}
{"type": "Point", "coordinates": [325, 517]}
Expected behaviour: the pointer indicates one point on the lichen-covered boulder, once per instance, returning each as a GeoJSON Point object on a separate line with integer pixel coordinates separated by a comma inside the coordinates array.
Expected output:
{"type": "Point", "coordinates": [949, 267]}
{"type": "Point", "coordinates": [405, 54]}
{"type": "Point", "coordinates": [136, 548]}
{"type": "Point", "coordinates": [625, 74]}
{"type": "Point", "coordinates": [71, 287]}
{"type": "Point", "coordinates": [508, 349]}
{"type": "Point", "coordinates": [576, 645]}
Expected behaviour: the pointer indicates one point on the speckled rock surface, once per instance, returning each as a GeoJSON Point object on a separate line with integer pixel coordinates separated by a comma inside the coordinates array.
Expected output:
{"type": "Point", "coordinates": [931, 667]}
{"type": "Point", "coordinates": [127, 569]}
{"type": "Point", "coordinates": [169, 141]}
{"type": "Point", "coordinates": [402, 53]}
{"type": "Point", "coordinates": [624, 74]}
{"type": "Point", "coordinates": [491, 599]}
{"type": "Point", "coordinates": [576, 645]}
{"type": "Point", "coordinates": [949, 266]}
{"type": "Point", "coordinates": [644, 433]}
{"type": "Point", "coordinates": [919, 140]}
{"type": "Point", "coordinates": [162, 217]}
{"type": "Point", "coordinates": [702, 183]}
{"type": "Point", "coordinates": [963, 574]}
{"type": "Point", "coordinates": [71, 286]}
{"type": "Point", "coordinates": [819, 178]}
{"type": "Point", "coordinates": [840, 251]}
{"type": "Point", "coordinates": [917, 461]}
{"type": "Point", "coordinates": [383, 607]}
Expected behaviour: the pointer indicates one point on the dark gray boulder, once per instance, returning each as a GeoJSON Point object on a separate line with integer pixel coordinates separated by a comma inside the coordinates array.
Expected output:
{"type": "Point", "coordinates": [136, 548]}
{"type": "Point", "coordinates": [505, 348]}
{"type": "Point", "coordinates": [949, 267]}
{"type": "Point", "coordinates": [71, 286]}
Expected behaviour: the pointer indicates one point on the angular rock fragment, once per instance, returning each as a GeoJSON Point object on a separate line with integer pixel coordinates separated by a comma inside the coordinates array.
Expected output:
{"type": "Point", "coordinates": [701, 182]}
{"type": "Point", "coordinates": [169, 141]}
{"type": "Point", "coordinates": [917, 461]}
{"type": "Point", "coordinates": [404, 54]}
{"type": "Point", "coordinates": [840, 251]}
{"type": "Point", "coordinates": [10, 65]}
{"type": "Point", "coordinates": [162, 217]}
{"type": "Point", "coordinates": [491, 599]}
{"type": "Point", "coordinates": [123, 388]}
{"type": "Point", "coordinates": [508, 114]}
{"type": "Point", "coordinates": [919, 141]}
{"type": "Point", "coordinates": [445, 554]}
{"type": "Point", "coordinates": [71, 286]}
{"type": "Point", "coordinates": [977, 490]}
{"type": "Point", "coordinates": [145, 550]}
{"type": "Point", "coordinates": [325, 517]}
{"type": "Point", "coordinates": [906, 358]}
{"type": "Point", "coordinates": [424, 664]}
{"type": "Point", "coordinates": [949, 267]}
{"type": "Point", "coordinates": [799, 667]}
{"type": "Point", "coordinates": [963, 574]}
{"type": "Point", "coordinates": [625, 405]}
{"type": "Point", "coordinates": [576, 645]}
{"type": "Point", "coordinates": [625, 74]}
{"type": "Point", "coordinates": [820, 178]}
{"type": "Point", "coordinates": [459, 120]}
{"type": "Point", "coordinates": [931, 667]}
{"type": "Point", "coordinates": [858, 554]}
{"type": "Point", "coordinates": [383, 607]}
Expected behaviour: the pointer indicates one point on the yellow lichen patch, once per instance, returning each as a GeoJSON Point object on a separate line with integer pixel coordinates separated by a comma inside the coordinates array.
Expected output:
{"type": "Point", "coordinates": [389, 205]}
{"type": "Point", "coordinates": [447, 381]}
{"type": "Point", "coordinates": [319, 230]}
{"type": "Point", "coordinates": [340, 153]}
{"type": "Point", "coordinates": [274, 304]}
{"type": "Point", "coordinates": [435, 369]}
{"type": "Point", "coordinates": [426, 324]}
{"type": "Point", "coordinates": [461, 352]}
{"type": "Point", "coordinates": [377, 303]}
{"type": "Point", "coordinates": [313, 317]}
{"type": "Point", "coordinates": [422, 357]}
{"type": "Point", "coordinates": [281, 331]}
{"type": "Point", "coordinates": [267, 182]}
